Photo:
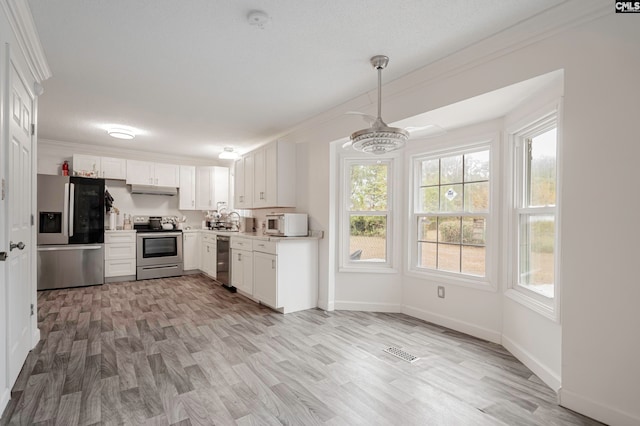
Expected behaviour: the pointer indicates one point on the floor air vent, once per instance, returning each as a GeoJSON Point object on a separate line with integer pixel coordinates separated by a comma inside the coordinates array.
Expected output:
{"type": "Point", "coordinates": [401, 354]}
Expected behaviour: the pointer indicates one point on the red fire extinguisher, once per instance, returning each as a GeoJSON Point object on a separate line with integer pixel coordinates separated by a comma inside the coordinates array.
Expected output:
{"type": "Point", "coordinates": [65, 168]}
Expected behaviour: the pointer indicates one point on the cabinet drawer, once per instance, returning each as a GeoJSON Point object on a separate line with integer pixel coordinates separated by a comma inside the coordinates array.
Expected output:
{"type": "Point", "coordinates": [208, 237]}
{"type": "Point", "coordinates": [241, 243]}
{"type": "Point", "coordinates": [119, 267]}
{"type": "Point", "coordinates": [120, 251]}
{"type": "Point", "coordinates": [265, 246]}
{"type": "Point", "coordinates": [119, 237]}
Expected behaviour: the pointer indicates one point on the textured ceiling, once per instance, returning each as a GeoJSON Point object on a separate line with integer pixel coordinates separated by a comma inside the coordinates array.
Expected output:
{"type": "Point", "coordinates": [193, 76]}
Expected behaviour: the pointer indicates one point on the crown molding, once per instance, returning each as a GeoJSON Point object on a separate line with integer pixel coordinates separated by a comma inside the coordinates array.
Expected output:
{"type": "Point", "coordinates": [49, 146]}
{"type": "Point", "coordinates": [24, 29]}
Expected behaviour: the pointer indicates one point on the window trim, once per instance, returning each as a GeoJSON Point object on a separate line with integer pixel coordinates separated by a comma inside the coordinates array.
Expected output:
{"type": "Point", "coordinates": [536, 122]}
{"type": "Point", "coordinates": [345, 264]}
{"type": "Point", "coordinates": [481, 141]}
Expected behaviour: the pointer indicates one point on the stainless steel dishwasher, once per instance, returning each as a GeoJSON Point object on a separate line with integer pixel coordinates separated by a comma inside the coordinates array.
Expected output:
{"type": "Point", "coordinates": [222, 262]}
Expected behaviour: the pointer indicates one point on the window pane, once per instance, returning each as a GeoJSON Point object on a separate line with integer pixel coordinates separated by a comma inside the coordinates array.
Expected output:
{"type": "Point", "coordinates": [451, 198]}
{"type": "Point", "coordinates": [474, 230]}
{"type": "Point", "coordinates": [451, 169]}
{"type": "Point", "coordinates": [427, 229]}
{"type": "Point", "coordinates": [429, 199]}
{"type": "Point", "coordinates": [368, 238]}
{"type": "Point", "coordinates": [449, 229]}
{"type": "Point", "coordinates": [476, 197]}
{"type": "Point", "coordinates": [473, 260]}
{"type": "Point", "coordinates": [476, 166]}
{"type": "Point", "coordinates": [427, 253]}
{"type": "Point", "coordinates": [430, 172]}
{"type": "Point", "coordinates": [449, 257]}
{"type": "Point", "coordinates": [368, 187]}
{"type": "Point", "coordinates": [543, 170]}
{"type": "Point", "coordinates": [537, 246]}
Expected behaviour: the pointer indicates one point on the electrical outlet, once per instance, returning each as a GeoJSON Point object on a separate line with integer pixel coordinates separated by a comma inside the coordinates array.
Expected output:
{"type": "Point", "coordinates": [441, 292]}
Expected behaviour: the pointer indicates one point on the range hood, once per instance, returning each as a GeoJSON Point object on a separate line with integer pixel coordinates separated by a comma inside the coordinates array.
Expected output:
{"type": "Point", "coordinates": [154, 190]}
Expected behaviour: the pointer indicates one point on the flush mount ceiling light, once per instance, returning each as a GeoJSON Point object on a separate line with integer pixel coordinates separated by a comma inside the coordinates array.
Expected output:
{"type": "Point", "coordinates": [228, 154]}
{"type": "Point", "coordinates": [379, 138]}
{"type": "Point", "coordinates": [121, 133]}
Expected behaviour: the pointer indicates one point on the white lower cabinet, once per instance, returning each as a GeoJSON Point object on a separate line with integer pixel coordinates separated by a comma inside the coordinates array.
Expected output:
{"type": "Point", "coordinates": [265, 286]}
{"type": "Point", "coordinates": [191, 250]}
{"type": "Point", "coordinates": [119, 255]}
{"type": "Point", "coordinates": [242, 270]}
{"type": "Point", "coordinates": [208, 254]}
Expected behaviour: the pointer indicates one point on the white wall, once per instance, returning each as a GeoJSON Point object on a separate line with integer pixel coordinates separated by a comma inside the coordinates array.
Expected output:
{"type": "Point", "coordinates": [600, 317]}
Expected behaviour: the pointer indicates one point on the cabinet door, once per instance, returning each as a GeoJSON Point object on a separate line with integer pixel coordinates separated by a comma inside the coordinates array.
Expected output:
{"type": "Point", "coordinates": [167, 175]}
{"type": "Point", "coordinates": [208, 259]}
{"type": "Point", "coordinates": [259, 179]}
{"type": "Point", "coordinates": [265, 287]}
{"type": "Point", "coordinates": [271, 175]}
{"type": "Point", "coordinates": [238, 185]}
{"type": "Point", "coordinates": [187, 191]}
{"type": "Point", "coordinates": [220, 185]}
{"type": "Point", "coordinates": [86, 165]}
{"type": "Point", "coordinates": [113, 168]}
{"type": "Point", "coordinates": [204, 199]}
{"type": "Point", "coordinates": [243, 198]}
{"type": "Point", "coordinates": [139, 172]}
{"type": "Point", "coordinates": [191, 251]}
{"type": "Point", "coordinates": [242, 270]}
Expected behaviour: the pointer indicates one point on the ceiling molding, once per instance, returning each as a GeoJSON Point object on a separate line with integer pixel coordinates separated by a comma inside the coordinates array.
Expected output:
{"type": "Point", "coordinates": [46, 146]}
{"type": "Point", "coordinates": [24, 29]}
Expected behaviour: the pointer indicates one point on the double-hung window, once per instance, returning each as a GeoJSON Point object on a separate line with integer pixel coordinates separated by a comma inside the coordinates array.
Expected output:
{"type": "Point", "coordinates": [451, 211]}
{"type": "Point", "coordinates": [535, 208]}
{"type": "Point", "coordinates": [366, 224]}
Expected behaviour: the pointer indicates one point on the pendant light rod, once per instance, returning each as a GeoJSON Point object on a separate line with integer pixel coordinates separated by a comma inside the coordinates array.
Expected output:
{"type": "Point", "coordinates": [380, 62]}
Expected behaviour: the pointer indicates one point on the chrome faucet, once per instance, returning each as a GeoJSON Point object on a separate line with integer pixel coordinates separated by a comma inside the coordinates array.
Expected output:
{"type": "Point", "coordinates": [235, 225]}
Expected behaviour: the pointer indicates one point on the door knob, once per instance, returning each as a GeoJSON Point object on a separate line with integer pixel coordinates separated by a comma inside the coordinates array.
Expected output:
{"type": "Point", "coordinates": [19, 246]}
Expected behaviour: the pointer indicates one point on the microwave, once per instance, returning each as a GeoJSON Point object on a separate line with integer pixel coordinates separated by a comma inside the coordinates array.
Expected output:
{"type": "Point", "coordinates": [287, 225]}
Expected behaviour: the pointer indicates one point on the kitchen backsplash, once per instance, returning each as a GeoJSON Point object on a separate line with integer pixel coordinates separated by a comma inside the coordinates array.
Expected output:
{"type": "Point", "coordinates": [147, 205]}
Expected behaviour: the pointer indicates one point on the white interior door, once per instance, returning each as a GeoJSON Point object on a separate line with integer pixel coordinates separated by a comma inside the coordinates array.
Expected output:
{"type": "Point", "coordinates": [19, 285]}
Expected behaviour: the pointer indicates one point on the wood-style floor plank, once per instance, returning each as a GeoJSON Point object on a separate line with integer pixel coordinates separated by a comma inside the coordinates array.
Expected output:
{"type": "Point", "coordinates": [184, 351]}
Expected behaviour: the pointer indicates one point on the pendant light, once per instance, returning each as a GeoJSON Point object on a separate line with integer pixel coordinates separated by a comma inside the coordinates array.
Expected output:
{"type": "Point", "coordinates": [379, 138]}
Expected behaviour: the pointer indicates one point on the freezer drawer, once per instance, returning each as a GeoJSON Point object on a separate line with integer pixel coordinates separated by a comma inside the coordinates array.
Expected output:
{"type": "Point", "coordinates": [70, 266]}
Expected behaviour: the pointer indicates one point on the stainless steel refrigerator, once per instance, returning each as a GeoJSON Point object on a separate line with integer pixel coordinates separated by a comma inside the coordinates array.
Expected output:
{"type": "Point", "coordinates": [70, 231]}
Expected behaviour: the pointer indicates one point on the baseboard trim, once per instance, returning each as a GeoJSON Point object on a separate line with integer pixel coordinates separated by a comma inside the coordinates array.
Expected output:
{"type": "Point", "coordinates": [539, 369]}
{"type": "Point", "coordinates": [454, 324]}
{"type": "Point", "coordinates": [595, 410]}
{"type": "Point", "coordinates": [346, 305]}
{"type": "Point", "coordinates": [4, 400]}
{"type": "Point", "coordinates": [35, 337]}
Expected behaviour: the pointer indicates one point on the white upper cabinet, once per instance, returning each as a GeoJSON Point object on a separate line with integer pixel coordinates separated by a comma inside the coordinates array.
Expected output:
{"type": "Point", "coordinates": [167, 175]}
{"type": "Point", "coordinates": [187, 188]}
{"type": "Point", "coordinates": [272, 182]}
{"type": "Point", "coordinates": [113, 168]}
{"type": "Point", "coordinates": [99, 167]}
{"type": "Point", "coordinates": [212, 187]}
{"type": "Point", "coordinates": [243, 196]}
{"type": "Point", "coordinates": [154, 174]}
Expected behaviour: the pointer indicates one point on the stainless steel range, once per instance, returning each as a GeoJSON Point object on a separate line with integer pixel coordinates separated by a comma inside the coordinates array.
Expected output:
{"type": "Point", "coordinates": [159, 250]}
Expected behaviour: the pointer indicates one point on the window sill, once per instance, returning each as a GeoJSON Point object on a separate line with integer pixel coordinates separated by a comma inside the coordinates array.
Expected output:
{"type": "Point", "coordinates": [475, 283]}
{"type": "Point", "coordinates": [368, 270]}
{"type": "Point", "coordinates": [533, 303]}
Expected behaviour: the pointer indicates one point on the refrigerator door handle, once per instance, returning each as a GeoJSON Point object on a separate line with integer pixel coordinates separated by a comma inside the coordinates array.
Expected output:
{"type": "Point", "coordinates": [71, 207]}
{"type": "Point", "coordinates": [65, 211]}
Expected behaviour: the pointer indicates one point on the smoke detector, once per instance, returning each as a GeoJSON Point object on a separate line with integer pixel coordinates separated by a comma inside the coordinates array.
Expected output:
{"type": "Point", "coordinates": [258, 18]}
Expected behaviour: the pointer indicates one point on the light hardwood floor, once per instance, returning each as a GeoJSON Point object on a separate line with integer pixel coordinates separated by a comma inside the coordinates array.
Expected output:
{"type": "Point", "coordinates": [184, 351]}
